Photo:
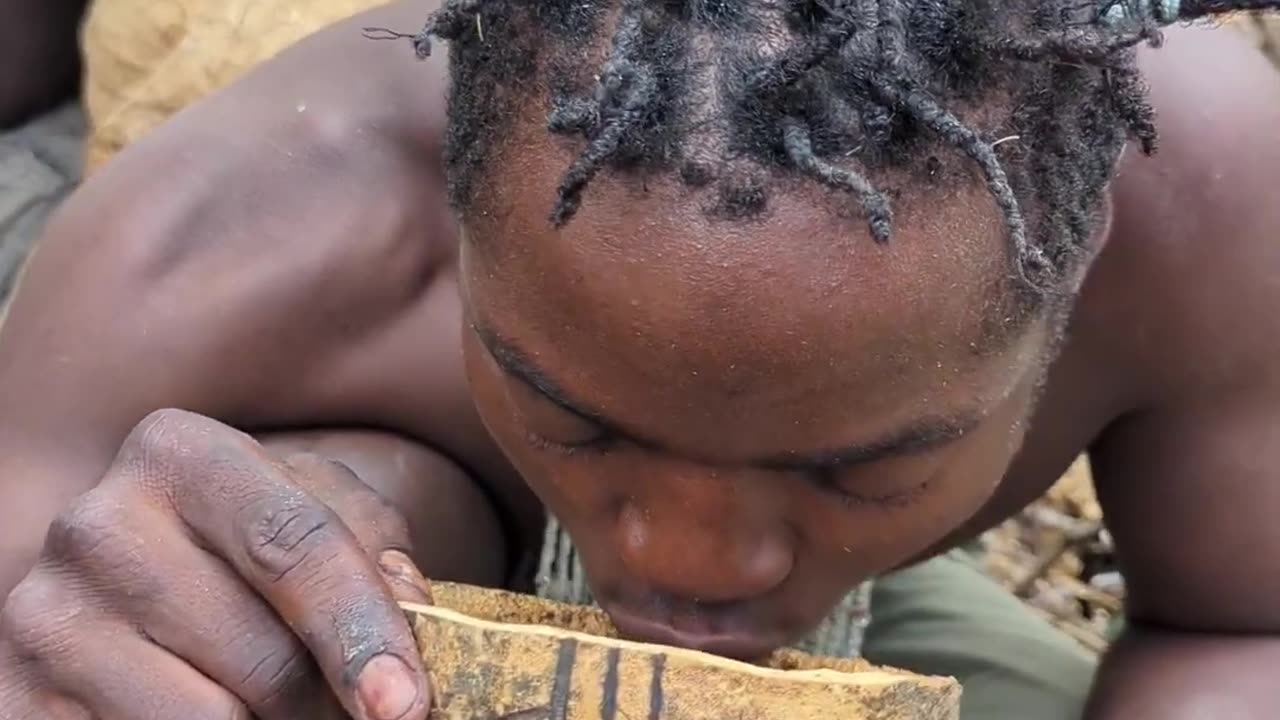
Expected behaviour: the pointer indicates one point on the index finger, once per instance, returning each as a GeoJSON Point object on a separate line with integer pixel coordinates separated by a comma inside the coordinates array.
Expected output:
{"type": "Point", "coordinates": [293, 550]}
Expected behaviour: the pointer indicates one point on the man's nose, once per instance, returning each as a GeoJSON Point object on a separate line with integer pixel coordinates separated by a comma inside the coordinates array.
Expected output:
{"type": "Point", "coordinates": [705, 537]}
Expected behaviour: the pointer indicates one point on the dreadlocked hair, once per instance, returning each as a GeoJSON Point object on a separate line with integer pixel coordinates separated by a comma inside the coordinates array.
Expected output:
{"type": "Point", "coordinates": [826, 90]}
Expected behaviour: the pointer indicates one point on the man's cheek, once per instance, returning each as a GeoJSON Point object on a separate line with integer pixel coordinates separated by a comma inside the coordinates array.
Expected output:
{"type": "Point", "coordinates": [884, 538]}
{"type": "Point", "coordinates": [580, 487]}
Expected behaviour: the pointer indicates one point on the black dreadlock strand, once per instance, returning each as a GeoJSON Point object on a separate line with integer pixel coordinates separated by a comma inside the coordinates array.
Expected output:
{"type": "Point", "coordinates": [626, 92]}
{"type": "Point", "coordinates": [1088, 45]}
{"type": "Point", "coordinates": [1139, 116]}
{"type": "Point", "coordinates": [874, 203]}
{"type": "Point", "coordinates": [447, 22]}
{"type": "Point", "coordinates": [831, 90]}
{"type": "Point", "coordinates": [829, 39]}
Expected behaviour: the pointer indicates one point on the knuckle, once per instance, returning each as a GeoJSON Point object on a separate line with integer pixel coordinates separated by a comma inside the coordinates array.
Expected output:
{"type": "Point", "coordinates": [328, 479]}
{"type": "Point", "coordinates": [306, 462]}
{"type": "Point", "coordinates": [392, 525]}
{"type": "Point", "coordinates": [82, 530]}
{"type": "Point", "coordinates": [165, 438]}
{"type": "Point", "coordinates": [155, 444]}
{"type": "Point", "coordinates": [380, 520]}
{"type": "Point", "coordinates": [37, 617]}
{"type": "Point", "coordinates": [158, 431]}
{"type": "Point", "coordinates": [374, 519]}
{"type": "Point", "coordinates": [280, 533]}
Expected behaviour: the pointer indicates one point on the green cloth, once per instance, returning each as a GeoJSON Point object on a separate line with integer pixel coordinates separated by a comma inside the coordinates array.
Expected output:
{"type": "Point", "coordinates": [945, 617]}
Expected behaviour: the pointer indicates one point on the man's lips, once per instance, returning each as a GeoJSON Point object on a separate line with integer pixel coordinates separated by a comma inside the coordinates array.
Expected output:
{"type": "Point", "coordinates": [704, 635]}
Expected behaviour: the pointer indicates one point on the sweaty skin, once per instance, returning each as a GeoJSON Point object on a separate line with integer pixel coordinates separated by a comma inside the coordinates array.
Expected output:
{"type": "Point", "coordinates": [677, 394]}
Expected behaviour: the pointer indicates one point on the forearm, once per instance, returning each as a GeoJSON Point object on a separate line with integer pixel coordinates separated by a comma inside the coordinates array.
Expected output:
{"type": "Point", "coordinates": [39, 55]}
{"type": "Point", "coordinates": [1158, 675]}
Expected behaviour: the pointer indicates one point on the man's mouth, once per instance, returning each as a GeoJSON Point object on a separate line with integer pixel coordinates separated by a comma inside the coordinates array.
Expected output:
{"type": "Point", "coordinates": [706, 631]}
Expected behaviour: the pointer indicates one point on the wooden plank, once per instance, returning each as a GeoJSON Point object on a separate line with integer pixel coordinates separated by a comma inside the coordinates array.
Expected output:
{"type": "Point", "coordinates": [493, 654]}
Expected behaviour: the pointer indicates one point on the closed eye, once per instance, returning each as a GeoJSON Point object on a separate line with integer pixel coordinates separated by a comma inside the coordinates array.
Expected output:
{"type": "Point", "coordinates": [550, 426]}
{"type": "Point", "coordinates": [599, 444]}
{"type": "Point", "coordinates": [884, 491]}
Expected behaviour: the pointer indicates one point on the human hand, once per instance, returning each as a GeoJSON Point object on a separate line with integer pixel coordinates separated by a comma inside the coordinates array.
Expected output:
{"type": "Point", "coordinates": [203, 579]}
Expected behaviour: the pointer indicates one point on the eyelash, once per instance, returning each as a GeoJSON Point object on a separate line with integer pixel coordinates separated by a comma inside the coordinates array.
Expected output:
{"type": "Point", "coordinates": [597, 446]}
{"type": "Point", "coordinates": [826, 481]}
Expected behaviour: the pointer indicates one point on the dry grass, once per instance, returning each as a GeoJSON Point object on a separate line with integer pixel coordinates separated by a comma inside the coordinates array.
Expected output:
{"type": "Point", "coordinates": [1057, 557]}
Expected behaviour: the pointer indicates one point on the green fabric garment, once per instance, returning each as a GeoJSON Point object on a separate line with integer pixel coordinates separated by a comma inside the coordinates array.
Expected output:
{"type": "Point", "coordinates": [945, 617]}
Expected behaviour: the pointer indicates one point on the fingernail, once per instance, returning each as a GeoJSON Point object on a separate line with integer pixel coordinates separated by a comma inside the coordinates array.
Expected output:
{"type": "Point", "coordinates": [387, 688]}
{"type": "Point", "coordinates": [397, 567]}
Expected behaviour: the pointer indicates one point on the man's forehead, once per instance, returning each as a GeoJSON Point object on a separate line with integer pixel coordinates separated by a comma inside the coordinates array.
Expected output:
{"type": "Point", "coordinates": [804, 277]}
{"type": "Point", "coordinates": [724, 378]}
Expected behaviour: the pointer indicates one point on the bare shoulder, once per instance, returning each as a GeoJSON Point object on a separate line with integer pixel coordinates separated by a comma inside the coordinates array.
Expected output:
{"type": "Point", "coordinates": [1188, 274]}
{"type": "Point", "coordinates": [237, 258]}
{"type": "Point", "coordinates": [1180, 311]}
{"type": "Point", "coordinates": [279, 255]}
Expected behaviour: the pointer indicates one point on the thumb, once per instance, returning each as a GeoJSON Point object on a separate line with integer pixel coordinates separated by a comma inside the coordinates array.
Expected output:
{"type": "Point", "coordinates": [406, 582]}
{"type": "Point", "coordinates": [407, 585]}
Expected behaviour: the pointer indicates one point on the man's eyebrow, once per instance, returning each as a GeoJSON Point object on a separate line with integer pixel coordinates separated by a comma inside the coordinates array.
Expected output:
{"type": "Point", "coordinates": [515, 362]}
{"type": "Point", "coordinates": [914, 438]}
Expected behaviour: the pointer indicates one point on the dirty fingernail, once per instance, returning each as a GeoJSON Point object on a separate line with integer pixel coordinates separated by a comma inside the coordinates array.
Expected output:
{"type": "Point", "coordinates": [397, 567]}
{"type": "Point", "coordinates": [387, 688]}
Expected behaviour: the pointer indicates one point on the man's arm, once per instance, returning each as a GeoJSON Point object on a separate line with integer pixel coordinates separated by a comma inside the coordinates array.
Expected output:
{"type": "Point", "coordinates": [1190, 478]}
{"type": "Point", "coordinates": [39, 56]}
{"type": "Point", "coordinates": [1169, 675]}
{"type": "Point", "coordinates": [296, 276]}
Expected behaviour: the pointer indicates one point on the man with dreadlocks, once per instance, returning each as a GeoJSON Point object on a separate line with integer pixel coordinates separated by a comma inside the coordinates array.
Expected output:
{"type": "Point", "coordinates": [759, 299]}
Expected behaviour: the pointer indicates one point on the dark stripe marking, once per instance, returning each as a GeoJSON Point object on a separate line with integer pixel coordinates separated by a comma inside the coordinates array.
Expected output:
{"type": "Point", "coordinates": [609, 703]}
{"type": "Point", "coordinates": [657, 701]}
{"type": "Point", "coordinates": [564, 679]}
